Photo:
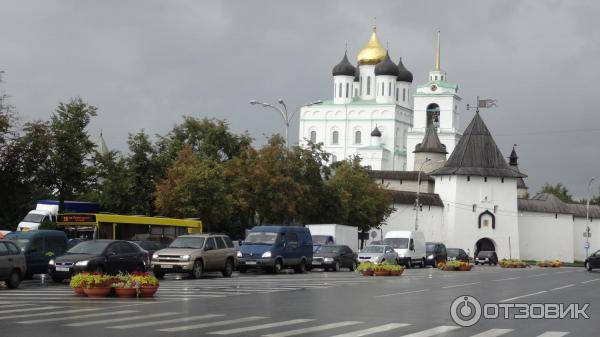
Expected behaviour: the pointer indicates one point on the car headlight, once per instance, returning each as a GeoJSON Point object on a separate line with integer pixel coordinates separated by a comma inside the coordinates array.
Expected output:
{"type": "Point", "coordinates": [155, 256]}
{"type": "Point", "coordinates": [239, 254]}
{"type": "Point", "coordinates": [328, 259]}
{"type": "Point", "coordinates": [184, 258]}
{"type": "Point", "coordinates": [51, 262]}
{"type": "Point", "coordinates": [266, 254]}
{"type": "Point", "coordinates": [430, 257]}
{"type": "Point", "coordinates": [487, 258]}
{"type": "Point", "coordinates": [82, 263]}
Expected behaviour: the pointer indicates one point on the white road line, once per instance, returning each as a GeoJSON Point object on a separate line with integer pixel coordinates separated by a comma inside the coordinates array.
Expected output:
{"type": "Point", "coordinates": [26, 309]}
{"type": "Point", "coordinates": [493, 333]}
{"type": "Point", "coordinates": [260, 327]}
{"type": "Point", "coordinates": [514, 298]}
{"type": "Point", "coordinates": [312, 329]}
{"type": "Point", "coordinates": [406, 292]}
{"type": "Point", "coordinates": [432, 332]}
{"type": "Point", "coordinates": [68, 318]}
{"type": "Point", "coordinates": [588, 281]}
{"type": "Point", "coordinates": [563, 287]}
{"type": "Point", "coordinates": [460, 285]}
{"type": "Point", "coordinates": [14, 305]}
{"type": "Point", "coordinates": [212, 324]}
{"type": "Point", "coordinates": [166, 321]}
{"type": "Point", "coordinates": [506, 279]}
{"type": "Point", "coordinates": [564, 272]}
{"type": "Point", "coordinates": [537, 275]}
{"type": "Point", "coordinates": [373, 330]}
{"type": "Point", "coordinates": [122, 319]}
{"type": "Point", "coordinates": [553, 334]}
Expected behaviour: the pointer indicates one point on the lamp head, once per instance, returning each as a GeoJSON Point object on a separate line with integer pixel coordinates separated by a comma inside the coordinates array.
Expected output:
{"type": "Point", "coordinates": [253, 102]}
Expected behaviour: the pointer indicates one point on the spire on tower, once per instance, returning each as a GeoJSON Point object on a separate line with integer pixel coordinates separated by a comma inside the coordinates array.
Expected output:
{"type": "Point", "coordinates": [437, 52]}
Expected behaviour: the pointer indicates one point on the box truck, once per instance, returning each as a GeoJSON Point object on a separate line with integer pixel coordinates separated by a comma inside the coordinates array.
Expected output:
{"type": "Point", "coordinates": [323, 234]}
{"type": "Point", "coordinates": [47, 210]}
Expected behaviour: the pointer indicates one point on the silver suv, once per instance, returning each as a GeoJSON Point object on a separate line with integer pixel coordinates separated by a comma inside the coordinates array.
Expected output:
{"type": "Point", "coordinates": [196, 254]}
{"type": "Point", "coordinates": [12, 264]}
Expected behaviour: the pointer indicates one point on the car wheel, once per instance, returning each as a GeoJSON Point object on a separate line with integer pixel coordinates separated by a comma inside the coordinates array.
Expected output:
{"type": "Point", "coordinates": [14, 279]}
{"type": "Point", "coordinates": [353, 266]}
{"type": "Point", "coordinates": [301, 268]}
{"type": "Point", "coordinates": [197, 270]}
{"type": "Point", "coordinates": [159, 274]}
{"type": "Point", "coordinates": [277, 267]}
{"type": "Point", "coordinates": [228, 268]}
{"type": "Point", "coordinates": [336, 266]}
{"type": "Point", "coordinates": [409, 264]}
{"type": "Point", "coordinates": [588, 266]}
{"type": "Point", "coordinates": [423, 264]}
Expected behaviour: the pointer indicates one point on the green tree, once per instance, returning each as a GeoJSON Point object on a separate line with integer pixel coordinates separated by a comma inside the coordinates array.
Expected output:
{"type": "Point", "coordinates": [144, 171]}
{"type": "Point", "coordinates": [111, 184]}
{"type": "Point", "coordinates": [560, 191]}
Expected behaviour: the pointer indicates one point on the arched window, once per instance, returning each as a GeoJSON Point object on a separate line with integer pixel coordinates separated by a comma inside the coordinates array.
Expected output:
{"type": "Point", "coordinates": [403, 94]}
{"type": "Point", "coordinates": [313, 136]}
{"type": "Point", "coordinates": [397, 89]}
{"type": "Point", "coordinates": [347, 89]}
{"type": "Point", "coordinates": [335, 137]}
{"type": "Point", "coordinates": [368, 85]}
{"type": "Point", "coordinates": [389, 88]}
{"type": "Point", "coordinates": [357, 137]}
{"type": "Point", "coordinates": [382, 88]}
{"type": "Point", "coordinates": [433, 115]}
{"type": "Point", "coordinates": [340, 90]}
{"type": "Point", "coordinates": [360, 84]}
{"type": "Point", "coordinates": [356, 92]}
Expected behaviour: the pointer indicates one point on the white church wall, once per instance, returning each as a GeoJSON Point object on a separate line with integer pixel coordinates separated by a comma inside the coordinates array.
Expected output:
{"type": "Point", "coordinates": [407, 185]}
{"type": "Point", "coordinates": [546, 236]}
{"type": "Point", "coordinates": [431, 221]}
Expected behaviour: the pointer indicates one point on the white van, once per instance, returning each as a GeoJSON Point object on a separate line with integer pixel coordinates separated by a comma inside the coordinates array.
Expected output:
{"type": "Point", "coordinates": [409, 245]}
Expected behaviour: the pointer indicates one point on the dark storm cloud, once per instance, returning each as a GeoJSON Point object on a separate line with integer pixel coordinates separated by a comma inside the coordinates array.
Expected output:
{"type": "Point", "coordinates": [147, 63]}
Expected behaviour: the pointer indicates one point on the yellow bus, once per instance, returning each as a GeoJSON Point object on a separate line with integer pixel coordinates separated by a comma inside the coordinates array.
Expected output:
{"type": "Point", "coordinates": [125, 227]}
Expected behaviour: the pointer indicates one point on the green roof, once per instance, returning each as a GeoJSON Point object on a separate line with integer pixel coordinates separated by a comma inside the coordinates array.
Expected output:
{"type": "Point", "coordinates": [440, 84]}
{"type": "Point", "coordinates": [357, 101]}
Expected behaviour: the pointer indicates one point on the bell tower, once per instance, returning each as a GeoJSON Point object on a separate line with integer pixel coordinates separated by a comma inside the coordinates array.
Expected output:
{"type": "Point", "coordinates": [435, 103]}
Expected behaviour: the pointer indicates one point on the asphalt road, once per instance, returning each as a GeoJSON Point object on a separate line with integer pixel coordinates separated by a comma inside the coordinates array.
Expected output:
{"type": "Point", "coordinates": [313, 304]}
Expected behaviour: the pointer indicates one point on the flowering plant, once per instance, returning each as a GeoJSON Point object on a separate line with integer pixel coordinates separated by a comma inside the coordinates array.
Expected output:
{"type": "Point", "coordinates": [144, 279]}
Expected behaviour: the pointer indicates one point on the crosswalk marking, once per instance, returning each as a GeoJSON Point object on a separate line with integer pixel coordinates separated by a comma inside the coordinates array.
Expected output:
{"type": "Point", "coordinates": [373, 330]}
{"type": "Point", "coordinates": [213, 324]}
{"type": "Point", "coordinates": [68, 318]}
{"type": "Point", "coordinates": [493, 333]}
{"type": "Point", "coordinates": [122, 319]}
{"type": "Point", "coordinates": [166, 321]}
{"type": "Point", "coordinates": [260, 327]}
{"type": "Point", "coordinates": [312, 329]}
{"type": "Point", "coordinates": [553, 334]}
{"type": "Point", "coordinates": [25, 309]}
{"type": "Point", "coordinates": [432, 332]}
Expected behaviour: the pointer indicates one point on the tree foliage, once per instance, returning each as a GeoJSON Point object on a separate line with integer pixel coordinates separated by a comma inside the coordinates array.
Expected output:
{"type": "Point", "coordinates": [560, 191]}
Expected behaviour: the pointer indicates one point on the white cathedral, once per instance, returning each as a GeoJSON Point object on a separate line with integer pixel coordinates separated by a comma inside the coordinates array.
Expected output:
{"type": "Point", "coordinates": [470, 197]}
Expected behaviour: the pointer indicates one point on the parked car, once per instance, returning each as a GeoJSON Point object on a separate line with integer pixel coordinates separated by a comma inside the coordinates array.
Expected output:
{"type": "Point", "coordinates": [436, 253]}
{"type": "Point", "coordinates": [274, 248]}
{"type": "Point", "coordinates": [593, 261]}
{"type": "Point", "coordinates": [410, 246]}
{"type": "Point", "coordinates": [334, 257]}
{"type": "Point", "coordinates": [457, 254]}
{"type": "Point", "coordinates": [101, 256]}
{"type": "Point", "coordinates": [196, 254]}
{"type": "Point", "coordinates": [378, 254]}
{"type": "Point", "coordinates": [39, 247]}
{"type": "Point", "coordinates": [13, 265]}
{"type": "Point", "coordinates": [486, 256]}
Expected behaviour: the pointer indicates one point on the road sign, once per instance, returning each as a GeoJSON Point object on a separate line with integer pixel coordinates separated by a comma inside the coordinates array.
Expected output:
{"type": "Point", "coordinates": [587, 235]}
{"type": "Point", "coordinates": [587, 245]}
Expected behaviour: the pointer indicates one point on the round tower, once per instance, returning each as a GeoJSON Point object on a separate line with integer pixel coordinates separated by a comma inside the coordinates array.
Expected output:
{"type": "Point", "coordinates": [343, 81]}
{"type": "Point", "coordinates": [430, 154]}
{"type": "Point", "coordinates": [386, 74]}
{"type": "Point", "coordinates": [403, 83]}
{"type": "Point", "coordinates": [368, 57]}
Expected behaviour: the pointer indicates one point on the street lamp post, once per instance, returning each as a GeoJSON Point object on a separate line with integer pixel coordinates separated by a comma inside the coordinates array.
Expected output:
{"type": "Point", "coordinates": [287, 118]}
{"type": "Point", "coordinates": [587, 218]}
{"type": "Point", "coordinates": [417, 204]}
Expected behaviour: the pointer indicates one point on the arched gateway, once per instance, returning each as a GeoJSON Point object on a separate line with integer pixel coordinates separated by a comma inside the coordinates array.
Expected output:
{"type": "Point", "coordinates": [484, 244]}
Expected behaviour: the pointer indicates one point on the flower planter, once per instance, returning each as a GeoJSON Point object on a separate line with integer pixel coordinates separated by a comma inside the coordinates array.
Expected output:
{"type": "Point", "coordinates": [79, 291]}
{"type": "Point", "coordinates": [97, 292]}
{"type": "Point", "coordinates": [381, 273]}
{"type": "Point", "coordinates": [465, 268]}
{"type": "Point", "coordinates": [396, 273]}
{"type": "Point", "coordinates": [367, 273]}
{"type": "Point", "coordinates": [148, 291]}
{"type": "Point", "coordinates": [126, 292]}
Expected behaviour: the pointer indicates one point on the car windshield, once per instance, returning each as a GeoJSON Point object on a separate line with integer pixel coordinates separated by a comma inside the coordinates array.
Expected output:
{"type": "Point", "coordinates": [187, 242]}
{"type": "Point", "coordinates": [321, 239]}
{"type": "Point", "coordinates": [373, 249]}
{"type": "Point", "coordinates": [328, 249]}
{"type": "Point", "coordinates": [485, 254]}
{"type": "Point", "coordinates": [32, 217]}
{"type": "Point", "coordinates": [401, 243]}
{"type": "Point", "coordinates": [452, 252]}
{"type": "Point", "coordinates": [430, 247]}
{"type": "Point", "coordinates": [261, 238]}
{"type": "Point", "coordinates": [89, 247]}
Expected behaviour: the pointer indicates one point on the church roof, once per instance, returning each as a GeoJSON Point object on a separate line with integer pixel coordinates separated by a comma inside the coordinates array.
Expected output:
{"type": "Point", "coordinates": [401, 175]}
{"type": "Point", "coordinates": [408, 198]}
{"type": "Point", "coordinates": [101, 146]}
{"type": "Point", "coordinates": [514, 164]}
{"type": "Point", "coordinates": [477, 154]}
{"type": "Point", "coordinates": [579, 210]}
{"type": "Point", "coordinates": [431, 142]}
{"type": "Point", "coordinates": [344, 68]}
{"type": "Point", "coordinates": [386, 67]}
{"type": "Point", "coordinates": [376, 132]}
{"type": "Point", "coordinates": [403, 74]}
{"type": "Point", "coordinates": [544, 203]}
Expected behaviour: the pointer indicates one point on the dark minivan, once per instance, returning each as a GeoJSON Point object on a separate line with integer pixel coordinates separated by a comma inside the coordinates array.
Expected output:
{"type": "Point", "coordinates": [435, 253]}
{"type": "Point", "coordinates": [39, 247]}
{"type": "Point", "coordinates": [489, 257]}
{"type": "Point", "coordinates": [274, 248]}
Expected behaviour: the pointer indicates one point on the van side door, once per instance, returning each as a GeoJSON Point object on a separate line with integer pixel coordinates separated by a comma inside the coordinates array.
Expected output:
{"type": "Point", "coordinates": [293, 251]}
{"type": "Point", "coordinates": [36, 260]}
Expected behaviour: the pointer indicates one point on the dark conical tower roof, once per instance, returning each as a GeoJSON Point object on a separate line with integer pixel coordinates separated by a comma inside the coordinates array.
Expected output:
{"type": "Point", "coordinates": [431, 142]}
{"type": "Point", "coordinates": [477, 154]}
{"type": "Point", "coordinates": [344, 68]}
{"type": "Point", "coordinates": [513, 159]}
{"type": "Point", "coordinates": [403, 74]}
{"type": "Point", "coordinates": [376, 132]}
{"type": "Point", "coordinates": [386, 67]}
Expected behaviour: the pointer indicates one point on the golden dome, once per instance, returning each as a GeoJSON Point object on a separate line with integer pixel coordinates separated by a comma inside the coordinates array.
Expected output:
{"type": "Point", "coordinates": [373, 52]}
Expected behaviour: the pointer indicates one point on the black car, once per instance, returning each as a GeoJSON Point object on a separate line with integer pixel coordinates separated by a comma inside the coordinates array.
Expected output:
{"type": "Point", "coordinates": [334, 257]}
{"type": "Point", "coordinates": [486, 256]}
{"type": "Point", "coordinates": [435, 253]}
{"type": "Point", "coordinates": [457, 254]}
{"type": "Point", "coordinates": [593, 261]}
{"type": "Point", "coordinates": [102, 256]}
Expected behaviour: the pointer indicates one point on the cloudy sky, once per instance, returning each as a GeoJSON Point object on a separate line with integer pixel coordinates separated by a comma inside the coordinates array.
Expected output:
{"type": "Point", "coordinates": [147, 63]}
